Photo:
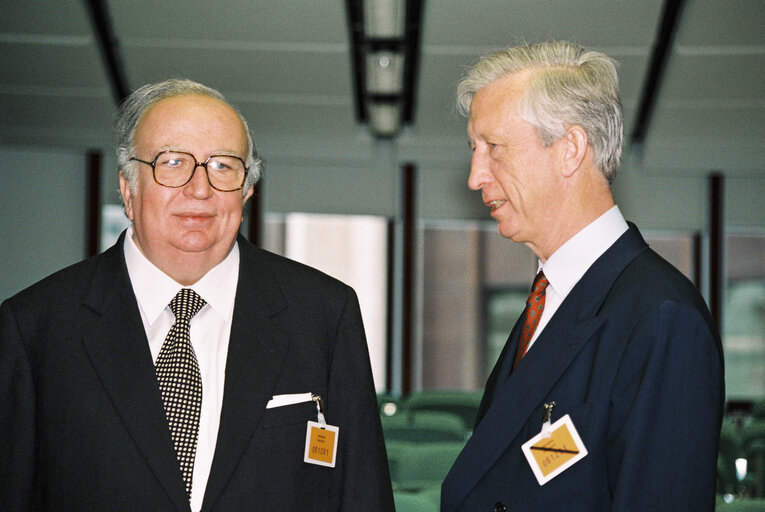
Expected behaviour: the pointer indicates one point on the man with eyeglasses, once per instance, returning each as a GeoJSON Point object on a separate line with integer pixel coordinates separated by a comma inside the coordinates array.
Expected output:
{"type": "Point", "coordinates": [184, 368]}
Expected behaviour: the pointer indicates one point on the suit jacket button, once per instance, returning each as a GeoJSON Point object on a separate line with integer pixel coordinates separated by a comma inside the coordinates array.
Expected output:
{"type": "Point", "coordinates": [500, 507]}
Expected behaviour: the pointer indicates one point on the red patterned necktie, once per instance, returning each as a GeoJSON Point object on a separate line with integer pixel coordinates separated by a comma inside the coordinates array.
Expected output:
{"type": "Point", "coordinates": [535, 304]}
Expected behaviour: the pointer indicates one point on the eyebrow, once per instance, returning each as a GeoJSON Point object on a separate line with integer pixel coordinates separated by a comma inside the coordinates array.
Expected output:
{"type": "Point", "coordinates": [221, 152]}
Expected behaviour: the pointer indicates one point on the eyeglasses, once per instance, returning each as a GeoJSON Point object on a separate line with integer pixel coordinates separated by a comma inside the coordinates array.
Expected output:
{"type": "Point", "coordinates": [176, 168]}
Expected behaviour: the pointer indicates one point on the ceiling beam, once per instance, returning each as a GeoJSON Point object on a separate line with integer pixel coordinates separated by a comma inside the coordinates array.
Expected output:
{"type": "Point", "coordinates": [413, 29]}
{"type": "Point", "coordinates": [353, 9]}
{"type": "Point", "coordinates": [652, 84]}
{"type": "Point", "coordinates": [109, 48]}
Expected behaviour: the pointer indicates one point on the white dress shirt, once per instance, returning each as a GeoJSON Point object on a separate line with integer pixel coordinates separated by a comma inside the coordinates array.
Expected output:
{"type": "Point", "coordinates": [568, 264]}
{"type": "Point", "coordinates": [210, 331]}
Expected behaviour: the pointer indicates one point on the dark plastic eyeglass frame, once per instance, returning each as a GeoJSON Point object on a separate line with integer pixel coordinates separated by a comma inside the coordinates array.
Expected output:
{"type": "Point", "coordinates": [153, 164]}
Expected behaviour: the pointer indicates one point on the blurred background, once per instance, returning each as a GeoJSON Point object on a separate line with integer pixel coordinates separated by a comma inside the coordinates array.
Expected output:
{"type": "Point", "coordinates": [351, 104]}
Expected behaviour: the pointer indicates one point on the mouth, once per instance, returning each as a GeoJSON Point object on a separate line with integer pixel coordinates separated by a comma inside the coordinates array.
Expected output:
{"type": "Point", "coordinates": [194, 216]}
{"type": "Point", "coordinates": [496, 203]}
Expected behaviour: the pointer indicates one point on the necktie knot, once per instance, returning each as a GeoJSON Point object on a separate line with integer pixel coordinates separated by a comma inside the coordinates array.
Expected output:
{"type": "Point", "coordinates": [538, 288]}
{"type": "Point", "coordinates": [186, 304]}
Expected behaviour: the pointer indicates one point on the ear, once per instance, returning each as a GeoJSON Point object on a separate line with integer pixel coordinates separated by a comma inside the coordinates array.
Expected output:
{"type": "Point", "coordinates": [127, 196]}
{"type": "Point", "coordinates": [248, 194]}
{"type": "Point", "coordinates": [575, 147]}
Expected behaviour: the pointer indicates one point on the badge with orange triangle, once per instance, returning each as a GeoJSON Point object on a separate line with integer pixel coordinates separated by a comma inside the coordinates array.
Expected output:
{"type": "Point", "coordinates": [555, 449]}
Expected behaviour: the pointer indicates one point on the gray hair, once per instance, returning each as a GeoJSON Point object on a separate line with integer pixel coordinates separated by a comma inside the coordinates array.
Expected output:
{"type": "Point", "coordinates": [572, 86]}
{"type": "Point", "coordinates": [131, 111]}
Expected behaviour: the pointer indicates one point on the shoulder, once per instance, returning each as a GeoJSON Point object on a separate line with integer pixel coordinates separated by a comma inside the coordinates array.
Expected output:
{"type": "Point", "coordinates": [651, 275]}
{"type": "Point", "coordinates": [652, 298]}
{"type": "Point", "coordinates": [631, 270]}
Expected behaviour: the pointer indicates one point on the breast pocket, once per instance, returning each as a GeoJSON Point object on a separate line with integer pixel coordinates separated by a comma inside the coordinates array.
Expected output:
{"type": "Point", "coordinates": [289, 415]}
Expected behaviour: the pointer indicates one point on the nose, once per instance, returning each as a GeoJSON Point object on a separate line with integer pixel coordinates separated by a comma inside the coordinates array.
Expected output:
{"type": "Point", "coordinates": [479, 170]}
{"type": "Point", "coordinates": [199, 185]}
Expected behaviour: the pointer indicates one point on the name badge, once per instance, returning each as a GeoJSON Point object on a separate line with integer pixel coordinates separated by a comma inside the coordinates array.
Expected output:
{"type": "Point", "coordinates": [321, 444]}
{"type": "Point", "coordinates": [555, 449]}
{"type": "Point", "coordinates": [320, 439]}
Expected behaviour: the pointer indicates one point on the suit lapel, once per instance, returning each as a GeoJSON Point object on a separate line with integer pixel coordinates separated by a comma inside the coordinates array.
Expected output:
{"type": "Point", "coordinates": [258, 344]}
{"type": "Point", "coordinates": [119, 352]}
{"type": "Point", "coordinates": [501, 368]}
{"type": "Point", "coordinates": [517, 397]}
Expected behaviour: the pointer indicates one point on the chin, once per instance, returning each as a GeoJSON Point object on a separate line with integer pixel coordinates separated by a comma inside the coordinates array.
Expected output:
{"type": "Point", "coordinates": [195, 242]}
{"type": "Point", "coordinates": [511, 234]}
{"type": "Point", "coordinates": [506, 231]}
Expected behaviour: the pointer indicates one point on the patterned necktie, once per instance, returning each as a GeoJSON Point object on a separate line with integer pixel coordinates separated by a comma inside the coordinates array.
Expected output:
{"type": "Point", "coordinates": [181, 383]}
{"type": "Point", "coordinates": [533, 312]}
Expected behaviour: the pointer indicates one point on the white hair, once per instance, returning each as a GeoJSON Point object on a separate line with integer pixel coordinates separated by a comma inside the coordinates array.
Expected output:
{"type": "Point", "coordinates": [571, 86]}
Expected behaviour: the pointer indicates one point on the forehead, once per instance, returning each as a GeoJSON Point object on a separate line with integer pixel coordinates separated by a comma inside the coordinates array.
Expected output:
{"type": "Point", "coordinates": [188, 120]}
{"type": "Point", "coordinates": [496, 103]}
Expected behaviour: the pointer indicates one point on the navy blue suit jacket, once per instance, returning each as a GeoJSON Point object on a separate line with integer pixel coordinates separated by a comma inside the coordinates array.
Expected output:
{"type": "Point", "coordinates": [633, 357]}
{"type": "Point", "coordinates": [82, 424]}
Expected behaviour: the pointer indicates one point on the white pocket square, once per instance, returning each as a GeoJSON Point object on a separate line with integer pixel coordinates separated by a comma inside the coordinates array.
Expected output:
{"type": "Point", "coordinates": [282, 400]}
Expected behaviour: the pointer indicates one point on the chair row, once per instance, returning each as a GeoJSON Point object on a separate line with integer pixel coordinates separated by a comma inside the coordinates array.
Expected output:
{"type": "Point", "coordinates": [736, 505]}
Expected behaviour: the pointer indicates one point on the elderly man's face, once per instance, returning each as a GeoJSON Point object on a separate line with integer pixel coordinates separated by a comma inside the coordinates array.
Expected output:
{"type": "Point", "coordinates": [515, 173]}
{"type": "Point", "coordinates": [174, 226]}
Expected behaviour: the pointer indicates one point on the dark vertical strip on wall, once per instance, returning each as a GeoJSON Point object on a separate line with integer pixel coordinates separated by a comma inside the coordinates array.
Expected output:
{"type": "Point", "coordinates": [255, 226]}
{"type": "Point", "coordinates": [697, 259]}
{"type": "Point", "coordinates": [408, 176]}
{"type": "Point", "coordinates": [483, 307]}
{"type": "Point", "coordinates": [390, 305]}
{"type": "Point", "coordinates": [716, 246]}
{"type": "Point", "coordinates": [93, 206]}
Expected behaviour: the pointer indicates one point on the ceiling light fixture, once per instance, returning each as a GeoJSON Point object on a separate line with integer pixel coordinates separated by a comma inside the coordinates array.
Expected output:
{"type": "Point", "coordinates": [384, 19]}
{"type": "Point", "coordinates": [385, 48]}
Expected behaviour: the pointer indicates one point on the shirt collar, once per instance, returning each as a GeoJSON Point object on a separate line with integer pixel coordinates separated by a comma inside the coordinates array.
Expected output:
{"type": "Point", "coordinates": [568, 264]}
{"type": "Point", "coordinates": [154, 289]}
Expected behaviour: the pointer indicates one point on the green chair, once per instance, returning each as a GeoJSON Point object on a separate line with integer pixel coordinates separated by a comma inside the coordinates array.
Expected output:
{"type": "Point", "coordinates": [395, 450]}
{"type": "Point", "coordinates": [753, 445]}
{"type": "Point", "coordinates": [433, 493]}
{"type": "Point", "coordinates": [423, 427]}
{"type": "Point", "coordinates": [758, 410]}
{"type": "Point", "coordinates": [730, 450]}
{"type": "Point", "coordinates": [462, 403]}
{"type": "Point", "coordinates": [414, 502]}
{"type": "Point", "coordinates": [420, 466]}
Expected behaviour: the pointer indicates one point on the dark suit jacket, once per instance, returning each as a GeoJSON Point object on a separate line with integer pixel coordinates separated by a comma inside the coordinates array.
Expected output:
{"type": "Point", "coordinates": [633, 357]}
{"type": "Point", "coordinates": [82, 425]}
